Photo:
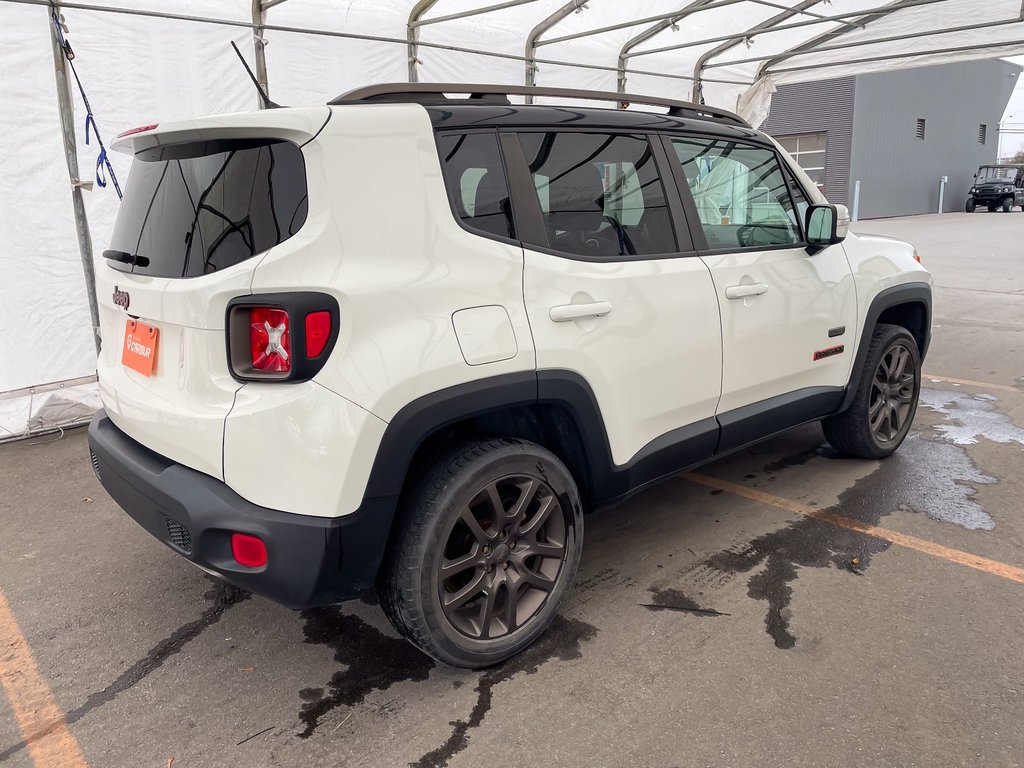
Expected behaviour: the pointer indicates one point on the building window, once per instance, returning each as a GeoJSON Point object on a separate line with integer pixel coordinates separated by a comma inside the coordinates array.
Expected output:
{"type": "Point", "coordinates": [920, 128]}
{"type": "Point", "coordinates": [982, 134]}
{"type": "Point", "coordinates": [808, 149]}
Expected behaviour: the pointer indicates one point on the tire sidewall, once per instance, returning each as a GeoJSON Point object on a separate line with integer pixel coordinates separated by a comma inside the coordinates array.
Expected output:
{"type": "Point", "coordinates": [518, 457]}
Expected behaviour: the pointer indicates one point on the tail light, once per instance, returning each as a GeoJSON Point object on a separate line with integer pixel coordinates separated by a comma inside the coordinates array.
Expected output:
{"type": "Point", "coordinates": [281, 337]}
{"type": "Point", "coordinates": [269, 340]}
{"type": "Point", "coordinates": [140, 129]}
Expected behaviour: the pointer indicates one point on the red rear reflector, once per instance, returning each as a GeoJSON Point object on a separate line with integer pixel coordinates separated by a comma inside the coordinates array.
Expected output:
{"type": "Point", "coordinates": [248, 550]}
{"type": "Point", "coordinates": [140, 129]}
{"type": "Point", "coordinates": [318, 331]}
{"type": "Point", "coordinates": [269, 340]}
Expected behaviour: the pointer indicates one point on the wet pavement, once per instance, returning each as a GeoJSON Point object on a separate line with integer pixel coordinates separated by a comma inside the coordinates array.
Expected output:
{"type": "Point", "coordinates": [707, 628]}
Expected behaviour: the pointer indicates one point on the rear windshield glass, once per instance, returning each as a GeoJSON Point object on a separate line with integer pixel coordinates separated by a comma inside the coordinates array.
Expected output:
{"type": "Point", "coordinates": [191, 209]}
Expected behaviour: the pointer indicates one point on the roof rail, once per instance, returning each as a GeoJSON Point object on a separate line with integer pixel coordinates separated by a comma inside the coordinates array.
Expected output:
{"type": "Point", "coordinates": [434, 92]}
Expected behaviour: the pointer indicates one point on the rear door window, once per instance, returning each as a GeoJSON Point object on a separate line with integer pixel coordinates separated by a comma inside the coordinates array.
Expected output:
{"type": "Point", "coordinates": [600, 194]}
{"type": "Point", "coordinates": [741, 194]}
{"type": "Point", "coordinates": [195, 208]}
{"type": "Point", "coordinates": [475, 177]}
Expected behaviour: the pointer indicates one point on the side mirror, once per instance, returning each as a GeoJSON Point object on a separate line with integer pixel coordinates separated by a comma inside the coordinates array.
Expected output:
{"type": "Point", "coordinates": [827, 225]}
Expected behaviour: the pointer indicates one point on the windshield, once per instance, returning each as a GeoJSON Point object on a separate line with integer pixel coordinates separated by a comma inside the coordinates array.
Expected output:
{"type": "Point", "coordinates": [190, 209]}
{"type": "Point", "coordinates": [989, 173]}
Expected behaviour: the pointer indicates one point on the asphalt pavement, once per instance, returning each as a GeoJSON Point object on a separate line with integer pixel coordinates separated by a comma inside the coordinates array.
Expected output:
{"type": "Point", "coordinates": [782, 607]}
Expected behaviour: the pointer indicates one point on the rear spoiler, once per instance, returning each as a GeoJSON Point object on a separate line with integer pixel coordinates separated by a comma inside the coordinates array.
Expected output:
{"type": "Point", "coordinates": [296, 125]}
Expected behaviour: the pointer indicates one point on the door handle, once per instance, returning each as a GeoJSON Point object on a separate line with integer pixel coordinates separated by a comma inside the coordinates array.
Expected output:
{"type": "Point", "coordinates": [743, 291]}
{"type": "Point", "coordinates": [566, 312]}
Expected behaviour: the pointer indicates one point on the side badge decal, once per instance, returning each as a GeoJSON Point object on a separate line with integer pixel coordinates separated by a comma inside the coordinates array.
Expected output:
{"type": "Point", "coordinates": [821, 354]}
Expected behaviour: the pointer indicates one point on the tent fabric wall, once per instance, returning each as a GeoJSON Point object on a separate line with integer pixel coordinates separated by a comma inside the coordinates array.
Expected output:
{"type": "Point", "coordinates": [139, 69]}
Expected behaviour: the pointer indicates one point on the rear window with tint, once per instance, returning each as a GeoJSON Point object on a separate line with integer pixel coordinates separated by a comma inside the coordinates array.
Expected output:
{"type": "Point", "coordinates": [195, 208]}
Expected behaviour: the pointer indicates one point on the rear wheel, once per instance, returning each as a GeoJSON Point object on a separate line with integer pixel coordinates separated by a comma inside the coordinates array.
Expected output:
{"type": "Point", "coordinates": [878, 420]}
{"type": "Point", "coordinates": [991, 209]}
{"type": "Point", "coordinates": [971, 205]}
{"type": "Point", "coordinates": [486, 553]}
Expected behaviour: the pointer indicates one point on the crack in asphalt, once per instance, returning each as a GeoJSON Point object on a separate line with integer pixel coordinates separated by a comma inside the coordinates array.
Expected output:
{"type": "Point", "coordinates": [562, 640]}
{"type": "Point", "coordinates": [222, 597]}
{"type": "Point", "coordinates": [372, 661]}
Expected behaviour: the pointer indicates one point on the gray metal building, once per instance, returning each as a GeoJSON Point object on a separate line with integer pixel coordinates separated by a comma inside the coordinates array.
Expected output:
{"type": "Point", "coordinates": [897, 133]}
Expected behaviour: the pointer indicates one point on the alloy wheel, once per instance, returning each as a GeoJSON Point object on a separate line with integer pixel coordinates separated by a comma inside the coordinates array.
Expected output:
{"type": "Point", "coordinates": [892, 394]}
{"type": "Point", "coordinates": [502, 557]}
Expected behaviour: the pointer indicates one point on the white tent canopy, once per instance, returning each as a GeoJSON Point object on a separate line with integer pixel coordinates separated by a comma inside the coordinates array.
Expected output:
{"type": "Point", "coordinates": [146, 61]}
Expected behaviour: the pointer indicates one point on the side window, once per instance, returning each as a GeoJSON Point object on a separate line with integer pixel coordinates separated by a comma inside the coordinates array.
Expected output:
{"type": "Point", "coordinates": [600, 194]}
{"type": "Point", "coordinates": [475, 177]}
{"type": "Point", "coordinates": [740, 192]}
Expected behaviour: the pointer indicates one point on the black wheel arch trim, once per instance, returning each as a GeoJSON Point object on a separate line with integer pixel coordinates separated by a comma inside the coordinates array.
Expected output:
{"type": "Point", "coordinates": [906, 293]}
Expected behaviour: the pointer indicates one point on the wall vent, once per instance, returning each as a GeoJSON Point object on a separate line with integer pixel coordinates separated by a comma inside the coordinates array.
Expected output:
{"type": "Point", "coordinates": [982, 134]}
{"type": "Point", "coordinates": [919, 132]}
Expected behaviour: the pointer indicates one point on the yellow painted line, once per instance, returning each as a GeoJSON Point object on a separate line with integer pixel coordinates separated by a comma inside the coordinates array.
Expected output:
{"type": "Point", "coordinates": [969, 383]}
{"type": "Point", "coordinates": [46, 734]}
{"type": "Point", "coordinates": [994, 567]}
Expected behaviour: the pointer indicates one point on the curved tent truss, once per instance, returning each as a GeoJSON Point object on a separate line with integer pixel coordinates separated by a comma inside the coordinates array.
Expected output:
{"type": "Point", "coordinates": [668, 47]}
{"type": "Point", "coordinates": [142, 62]}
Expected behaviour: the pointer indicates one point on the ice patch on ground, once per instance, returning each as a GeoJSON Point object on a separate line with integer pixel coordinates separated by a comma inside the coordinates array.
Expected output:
{"type": "Point", "coordinates": [936, 479]}
{"type": "Point", "coordinates": [972, 417]}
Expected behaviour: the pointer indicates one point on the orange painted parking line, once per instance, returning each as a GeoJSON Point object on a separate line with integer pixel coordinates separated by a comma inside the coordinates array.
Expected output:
{"type": "Point", "coordinates": [994, 567]}
{"type": "Point", "coordinates": [46, 735]}
{"type": "Point", "coordinates": [969, 383]}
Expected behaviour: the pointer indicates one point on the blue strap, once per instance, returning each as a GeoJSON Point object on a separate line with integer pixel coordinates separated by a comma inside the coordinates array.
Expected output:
{"type": "Point", "coordinates": [101, 179]}
{"type": "Point", "coordinates": [103, 166]}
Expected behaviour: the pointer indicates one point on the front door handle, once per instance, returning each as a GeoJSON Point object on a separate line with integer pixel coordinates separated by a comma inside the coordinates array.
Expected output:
{"type": "Point", "coordinates": [743, 291]}
{"type": "Point", "coordinates": [566, 312]}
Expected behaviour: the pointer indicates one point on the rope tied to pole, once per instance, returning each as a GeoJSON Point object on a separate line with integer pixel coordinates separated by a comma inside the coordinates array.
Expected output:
{"type": "Point", "coordinates": [103, 166]}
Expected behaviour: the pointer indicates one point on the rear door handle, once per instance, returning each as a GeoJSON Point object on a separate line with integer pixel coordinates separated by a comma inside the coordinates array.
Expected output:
{"type": "Point", "coordinates": [743, 291]}
{"type": "Point", "coordinates": [566, 312]}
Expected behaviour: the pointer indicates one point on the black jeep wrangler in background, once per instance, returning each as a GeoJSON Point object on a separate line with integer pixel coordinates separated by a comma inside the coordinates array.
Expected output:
{"type": "Point", "coordinates": [997, 186]}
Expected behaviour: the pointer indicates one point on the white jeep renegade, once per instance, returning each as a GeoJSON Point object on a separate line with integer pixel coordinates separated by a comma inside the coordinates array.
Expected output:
{"type": "Point", "coordinates": [405, 340]}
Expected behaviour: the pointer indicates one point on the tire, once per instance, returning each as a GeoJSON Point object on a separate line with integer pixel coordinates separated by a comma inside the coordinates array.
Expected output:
{"type": "Point", "coordinates": [857, 431]}
{"type": "Point", "coordinates": [971, 205]}
{"type": "Point", "coordinates": [991, 209]}
{"type": "Point", "coordinates": [448, 521]}
{"type": "Point", "coordinates": [1007, 204]}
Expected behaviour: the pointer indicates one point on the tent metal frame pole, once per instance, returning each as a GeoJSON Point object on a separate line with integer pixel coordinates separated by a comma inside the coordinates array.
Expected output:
{"type": "Point", "coordinates": [533, 39]}
{"type": "Point", "coordinates": [858, 43]}
{"type": "Point", "coordinates": [67, 128]}
{"type": "Point", "coordinates": [774, 21]}
{"type": "Point", "coordinates": [259, 45]}
{"type": "Point", "coordinates": [815, 43]}
{"type": "Point", "coordinates": [471, 12]}
{"type": "Point", "coordinates": [635, 22]}
{"type": "Point", "coordinates": [656, 29]}
{"type": "Point", "coordinates": [910, 55]}
{"type": "Point", "coordinates": [900, 5]}
{"type": "Point", "coordinates": [412, 35]}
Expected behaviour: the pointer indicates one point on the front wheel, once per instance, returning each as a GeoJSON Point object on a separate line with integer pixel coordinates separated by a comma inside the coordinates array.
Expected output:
{"type": "Point", "coordinates": [486, 551]}
{"type": "Point", "coordinates": [971, 205]}
{"type": "Point", "coordinates": [1007, 204]}
{"type": "Point", "coordinates": [878, 420]}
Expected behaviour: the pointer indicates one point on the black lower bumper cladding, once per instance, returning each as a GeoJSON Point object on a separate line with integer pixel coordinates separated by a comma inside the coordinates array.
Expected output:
{"type": "Point", "coordinates": [310, 560]}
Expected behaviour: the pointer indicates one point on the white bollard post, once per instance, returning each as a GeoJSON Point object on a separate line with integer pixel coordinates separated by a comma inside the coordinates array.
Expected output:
{"type": "Point", "coordinates": [942, 191]}
{"type": "Point", "coordinates": [854, 215]}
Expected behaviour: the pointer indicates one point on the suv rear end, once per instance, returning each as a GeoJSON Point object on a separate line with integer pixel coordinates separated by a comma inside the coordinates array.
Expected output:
{"type": "Point", "coordinates": [195, 367]}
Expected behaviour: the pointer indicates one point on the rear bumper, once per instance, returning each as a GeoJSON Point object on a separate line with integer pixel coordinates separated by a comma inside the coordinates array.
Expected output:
{"type": "Point", "coordinates": [310, 560]}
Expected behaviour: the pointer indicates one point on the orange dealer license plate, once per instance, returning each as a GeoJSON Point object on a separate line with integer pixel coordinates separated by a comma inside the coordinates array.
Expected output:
{"type": "Point", "coordinates": [140, 345]}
